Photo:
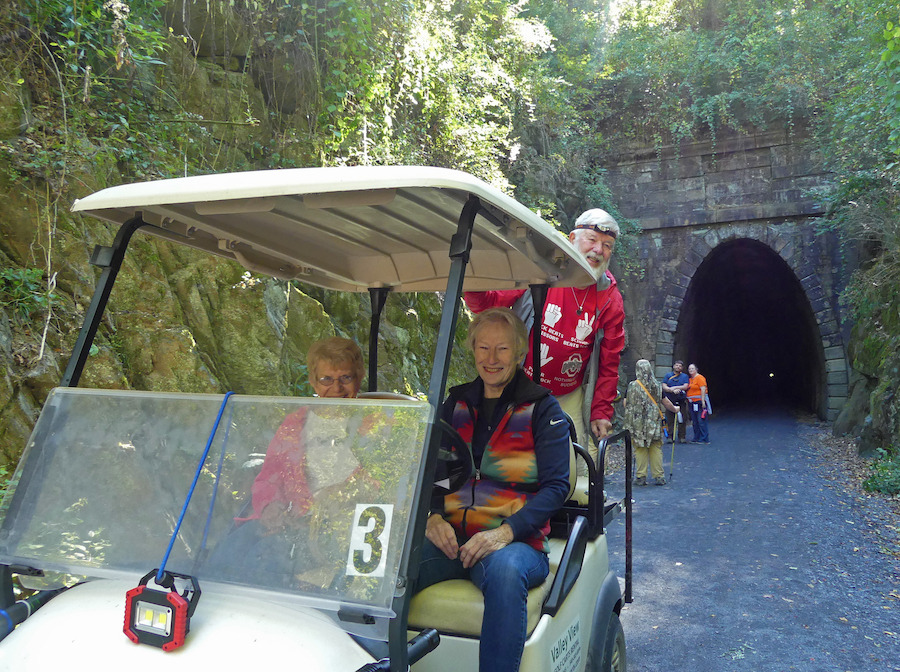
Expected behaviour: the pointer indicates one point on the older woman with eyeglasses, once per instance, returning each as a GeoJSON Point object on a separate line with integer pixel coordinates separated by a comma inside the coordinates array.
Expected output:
{"type": "Point", "coordinates": [283, 490]}
{"type": "Point", "coordinates": [336, 367]}
{"type": "Point", "coordinates": [309, 454]}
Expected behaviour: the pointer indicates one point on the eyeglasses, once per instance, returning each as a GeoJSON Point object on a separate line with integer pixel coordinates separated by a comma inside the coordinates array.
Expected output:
{"type": "Point", "coordinates": [328, 381]}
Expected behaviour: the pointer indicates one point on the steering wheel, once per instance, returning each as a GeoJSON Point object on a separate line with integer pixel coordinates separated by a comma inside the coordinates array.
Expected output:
{"type": "Point", "coordinates": [455, 464]}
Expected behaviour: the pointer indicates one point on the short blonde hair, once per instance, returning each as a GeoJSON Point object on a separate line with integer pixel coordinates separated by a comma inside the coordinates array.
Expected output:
{"type": "Point", "coordinates": [336, 351]}
{"type": "Point", "coordinates": [501, 316]}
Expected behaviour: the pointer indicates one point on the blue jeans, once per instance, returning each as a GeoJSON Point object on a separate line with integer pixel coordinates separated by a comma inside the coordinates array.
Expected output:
{"type": "Point", "coordinates": [504, 578]}
{"type": "Point", "coordinates": [701, 428]}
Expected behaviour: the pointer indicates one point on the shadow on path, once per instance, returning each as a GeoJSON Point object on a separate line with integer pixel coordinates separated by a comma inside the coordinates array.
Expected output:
{"type": "Point", "coordinates": [748, 560]}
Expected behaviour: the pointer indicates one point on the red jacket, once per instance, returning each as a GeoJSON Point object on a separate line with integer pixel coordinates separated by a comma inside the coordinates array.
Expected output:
{"type": "Point", "coordinates": [567, 338]}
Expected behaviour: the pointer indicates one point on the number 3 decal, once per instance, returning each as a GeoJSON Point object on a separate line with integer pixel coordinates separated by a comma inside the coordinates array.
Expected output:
{"type": "Point", "coordinates": [369, 539]}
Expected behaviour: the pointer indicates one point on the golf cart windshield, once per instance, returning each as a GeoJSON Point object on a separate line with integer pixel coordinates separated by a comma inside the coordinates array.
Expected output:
{"type": "Point", "coordinates": [305, 501]}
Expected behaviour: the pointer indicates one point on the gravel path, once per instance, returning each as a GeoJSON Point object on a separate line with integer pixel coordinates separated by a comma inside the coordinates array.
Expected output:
{"type": "Point", "coordinates": [750, 559]}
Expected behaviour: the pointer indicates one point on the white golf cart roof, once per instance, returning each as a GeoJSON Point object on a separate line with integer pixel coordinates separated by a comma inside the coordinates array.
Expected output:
{"type": "Point", "coordinates": [351, 228]}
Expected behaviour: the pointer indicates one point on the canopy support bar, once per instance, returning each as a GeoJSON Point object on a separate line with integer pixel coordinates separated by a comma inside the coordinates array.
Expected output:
{"type": "Point", "coordinates": [378, 295]}
{"type": "Point", "coordinates": [538, 298]}
{"type": "Point", "coordinates": [110, 260]}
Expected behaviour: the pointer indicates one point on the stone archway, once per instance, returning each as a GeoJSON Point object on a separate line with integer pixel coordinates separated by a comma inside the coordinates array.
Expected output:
{"type": "Point", "coordinates": [804, 361]}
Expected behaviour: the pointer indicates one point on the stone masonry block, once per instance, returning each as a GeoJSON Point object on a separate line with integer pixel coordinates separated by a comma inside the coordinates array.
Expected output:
{"type": "Point", "coordinates": [664, 349]}
{"type": "Point", "coordinates": [809, 281]}
{"type": "Point", "coordinates": [773, 233]}
{"type": "Point", "coordinates": [681, 280]}
{"type": "Point", "coordinates": [746, 180]}
{"type": "Point", "coordinates": [692, 257]}
{"type": "Point", "coordinates": [680, 168]}
{"type": "Point", "coordinates": [835, 365]}
{"type": "Point", "coordinates": [778, 243]}
{"type": "Point", "coordinates": [687, 269]}
{"type": "Point", "coordinates": [648, 223]}
{"type": "Point", "coordinates": [832, 340]}
{"type": "Point", "coordinates": [834, 353]}
{"type": "Point", "coordinates": [837, 390]}
{"type": "Point", "coordinates": [669, 325]}
{"type": "Point", "coordinates": [673, 302]}
{"type": "Point", "coordinates": [815, 292]}
{"type": "Point", "coordinates": [836, 378]}
{"type": "Point", "coordinates": [675, 196]}
{"type": "Point", "coordinates": [701, 247]}
{"type": "Point", "coordinates": [787, 252]}
{"type": "Point", "coordinates": [695, 218]}
{"type": "Point", "coordinates": [827, 324]}
{"type": "Point", "coordinates": [805, 270]}
{"type": "Point", "coordinates": [671, 314]}
{"type": "Point", "coordinates": [818, 305]}
{"type": "Point", "coordinates": [836, 403]}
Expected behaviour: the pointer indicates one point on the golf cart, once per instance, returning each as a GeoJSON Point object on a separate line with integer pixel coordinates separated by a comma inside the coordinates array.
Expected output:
{"type": "Point", "coordinates": [126, 508]}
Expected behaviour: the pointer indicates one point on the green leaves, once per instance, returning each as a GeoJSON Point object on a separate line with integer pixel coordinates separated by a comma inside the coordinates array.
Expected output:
{"type": "Point", "coordinates": [890, 82]}
{"type": "Point", "coordinates": [885, 475]}
{"type": "Point", "coordinates": [22, 291]}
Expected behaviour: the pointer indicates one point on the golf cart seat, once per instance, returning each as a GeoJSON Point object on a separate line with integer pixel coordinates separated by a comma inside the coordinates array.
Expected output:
{"type": "Point", "coordinates": [456, 606]}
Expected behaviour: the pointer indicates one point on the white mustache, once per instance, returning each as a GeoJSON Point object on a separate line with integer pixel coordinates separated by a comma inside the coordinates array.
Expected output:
{"type": "Point", "coordinates": [603, 264]}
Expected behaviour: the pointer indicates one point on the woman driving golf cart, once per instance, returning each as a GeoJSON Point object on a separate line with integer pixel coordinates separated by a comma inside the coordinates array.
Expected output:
{"type": "Point", "coordinates": [494, 529]}
{"type": "Point", "coordinates": [308, 456]}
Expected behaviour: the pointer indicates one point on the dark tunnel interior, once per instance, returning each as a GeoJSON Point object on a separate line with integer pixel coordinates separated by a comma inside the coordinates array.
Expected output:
{"type": "Point", "coordinates": [748, 326]}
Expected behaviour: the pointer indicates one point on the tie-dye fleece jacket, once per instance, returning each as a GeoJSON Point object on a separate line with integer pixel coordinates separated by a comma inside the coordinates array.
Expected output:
{"type": "Point", "coordinates": [521, 456]}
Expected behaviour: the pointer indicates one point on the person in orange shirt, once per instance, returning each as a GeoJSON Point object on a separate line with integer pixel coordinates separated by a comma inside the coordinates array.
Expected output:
{"type": "Point", "coordinates": [696, 396]}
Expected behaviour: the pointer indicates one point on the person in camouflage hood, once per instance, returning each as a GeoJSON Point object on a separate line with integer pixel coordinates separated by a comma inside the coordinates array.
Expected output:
{"type": "Point", "coordinates": [644, 419]}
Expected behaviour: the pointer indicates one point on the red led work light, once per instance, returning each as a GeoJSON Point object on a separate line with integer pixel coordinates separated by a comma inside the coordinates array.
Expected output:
{"type": "Point", "coordinates": [160, 618]}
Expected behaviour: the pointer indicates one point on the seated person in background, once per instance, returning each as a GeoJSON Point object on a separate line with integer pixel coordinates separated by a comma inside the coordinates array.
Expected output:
{"type": "Point", "coordinates": [309, 456]}
{"type": "Point", "coordinates": [494, 529]}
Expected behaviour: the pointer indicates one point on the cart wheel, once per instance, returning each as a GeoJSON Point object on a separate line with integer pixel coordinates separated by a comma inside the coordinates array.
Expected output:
{"type": "Point", "coordinates": [606, 652]}
{"type": "Point", "coordinates": [614, 651]}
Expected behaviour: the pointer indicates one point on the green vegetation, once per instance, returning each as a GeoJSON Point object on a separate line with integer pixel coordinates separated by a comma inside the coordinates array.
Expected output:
{"type": "Point", "coordinates": [885, 477]}
{"type": "Point", "coordinates": [22, 291]}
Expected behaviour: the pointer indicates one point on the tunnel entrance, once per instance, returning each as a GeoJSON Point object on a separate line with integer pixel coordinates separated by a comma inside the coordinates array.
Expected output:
{"type": "Point", "coordinates": [748, 325]}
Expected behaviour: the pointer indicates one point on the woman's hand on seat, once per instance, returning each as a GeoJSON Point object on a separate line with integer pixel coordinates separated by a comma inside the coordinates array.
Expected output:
{"type": "Point", "coordinates": [441, 533]}
{"type": "Point", "coordinates": [484, 543]}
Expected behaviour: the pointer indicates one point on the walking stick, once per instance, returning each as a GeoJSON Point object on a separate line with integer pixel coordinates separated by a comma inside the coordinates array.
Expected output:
{"type": "Point", "coordinates": [674, 436]}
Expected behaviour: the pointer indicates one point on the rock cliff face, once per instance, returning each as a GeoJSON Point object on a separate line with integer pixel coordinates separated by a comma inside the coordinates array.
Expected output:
{"type": "Point", "coordinates": [873, 408]}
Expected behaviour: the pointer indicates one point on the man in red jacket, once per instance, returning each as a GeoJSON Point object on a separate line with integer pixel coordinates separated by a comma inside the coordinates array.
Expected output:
{"type": "Point", "coordinates": [580, 326]}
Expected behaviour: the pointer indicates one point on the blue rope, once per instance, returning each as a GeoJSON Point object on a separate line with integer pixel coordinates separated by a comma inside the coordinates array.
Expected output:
{"type": "Point", "coordinates": [162, 568]}
{"type": "Point", "coordinates": [212, 503]}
